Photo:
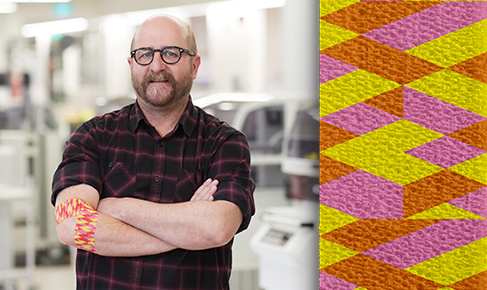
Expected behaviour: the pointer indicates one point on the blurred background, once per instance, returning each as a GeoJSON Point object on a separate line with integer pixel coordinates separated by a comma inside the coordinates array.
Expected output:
{"type": "Point", "coordinates": [63, 62]}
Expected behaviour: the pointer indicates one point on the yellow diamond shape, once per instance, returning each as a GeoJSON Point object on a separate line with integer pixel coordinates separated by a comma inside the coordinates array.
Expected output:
{"type": "Point", "coordinates": [473, 168]}
{"type": "Point", "coordinates": [455, 265]}
{"type": "Point", "coordinates": [351, 89]}
{"type": "Point", "coordinates": [454, 47]}
{"type": "Point", "coordinates": [381, 152]}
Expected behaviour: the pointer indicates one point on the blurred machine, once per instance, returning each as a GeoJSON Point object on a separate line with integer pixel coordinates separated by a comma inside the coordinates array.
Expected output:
{"type": "Point", "coordinates": [8, 195]}
{"type": "Point", "coordinates": [287, 241]}
{"type": "Point", "coordinates": [283, 235]}
{"type": "Point", "coordinates": [265, 119]}
{"type": "Point", "coordinates": [31, 132]}
{"type": "Point", "coordinates": [300, 163]}
{"type": "Point", "coordinates": [286, 244]}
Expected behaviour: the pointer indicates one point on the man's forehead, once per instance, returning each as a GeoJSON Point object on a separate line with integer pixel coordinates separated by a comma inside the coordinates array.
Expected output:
{"type": "Point", "coordinates": [161, 29]}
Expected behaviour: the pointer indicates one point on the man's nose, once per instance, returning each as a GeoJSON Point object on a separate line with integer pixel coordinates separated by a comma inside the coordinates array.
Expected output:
{"type": "Point", "coordinates": [157, 63]}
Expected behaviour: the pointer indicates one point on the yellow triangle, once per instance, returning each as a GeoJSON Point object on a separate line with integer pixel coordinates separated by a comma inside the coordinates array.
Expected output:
{"type": "Point", "coordinates": [331, 219]}
{"type": "Point", "coordinates": [331, 253]}
{"type": "Point", "coordinates": [329, 6]}
{"type": "Point", "coordinates": [331, 35]}
{"type": "Point", "coordinates": [446, 211]}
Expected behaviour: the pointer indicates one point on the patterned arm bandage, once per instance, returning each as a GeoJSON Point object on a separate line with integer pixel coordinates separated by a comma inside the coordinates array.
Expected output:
{"type": "Point", "coordinates": [85, 225]}
{"type": "Point", "coordinates": [69, 208]}
{"type": "Point", "coordinates": [85, 229]}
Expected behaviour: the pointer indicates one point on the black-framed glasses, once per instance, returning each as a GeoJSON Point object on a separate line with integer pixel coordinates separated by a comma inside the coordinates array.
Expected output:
{"type": "Point", "coordinates": [169, 54]}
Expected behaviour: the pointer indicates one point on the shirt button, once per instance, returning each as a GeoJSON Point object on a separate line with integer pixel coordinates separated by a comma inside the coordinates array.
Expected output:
{"type": "Point", "coordinates": [156, 179]}
{"type": "Point", "coordinates": [160, 143]}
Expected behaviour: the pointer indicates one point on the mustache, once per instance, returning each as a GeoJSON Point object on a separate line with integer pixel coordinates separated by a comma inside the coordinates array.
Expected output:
{"type": "Point", "coordinates": [159, 77]}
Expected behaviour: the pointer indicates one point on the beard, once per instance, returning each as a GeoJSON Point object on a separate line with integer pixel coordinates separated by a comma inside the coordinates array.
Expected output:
{"type": "Point", "coordinates": [163, 96]}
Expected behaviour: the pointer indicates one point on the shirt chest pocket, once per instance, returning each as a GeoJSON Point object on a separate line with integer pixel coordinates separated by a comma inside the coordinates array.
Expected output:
{"type": "Point", "coordinates": [118, 179]}
{"type": "Point", "coordinates": [188, 182]}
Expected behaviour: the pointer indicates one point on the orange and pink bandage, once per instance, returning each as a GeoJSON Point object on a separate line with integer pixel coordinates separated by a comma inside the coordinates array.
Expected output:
{"type": "Point", "coordinates": [85, 225]}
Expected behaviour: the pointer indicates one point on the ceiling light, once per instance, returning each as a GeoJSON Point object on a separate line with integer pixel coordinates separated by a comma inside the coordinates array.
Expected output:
{"type": "Point", "coordinates": [195, 10]}
{"type": "Point", "coordinates": [8, 7]}
{"type": "Point", "coordinates": [54, 27]}
{"type": "Point", "coordinates": [238, 7]}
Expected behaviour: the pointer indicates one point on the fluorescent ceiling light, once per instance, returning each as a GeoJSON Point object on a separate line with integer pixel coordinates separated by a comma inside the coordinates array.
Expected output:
{"type": "Point", "coordinates": [8, 7]}
{"type": "Point", "coordinates": [54, 27]}
{"type": "Point", "coordinates": [194, 10]}
{"type": "Point", "coordinates": [242, 6]}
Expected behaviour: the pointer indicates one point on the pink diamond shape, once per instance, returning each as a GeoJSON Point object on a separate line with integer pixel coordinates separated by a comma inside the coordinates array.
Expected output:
{"type": "Point", "coordinates": [436, 114]}
{"type": "Point", "coordinates": [331, 68]}
{"type": "Point", "coordinates": [360, 118]}
{"type": "Point", "coordinates": [364, 195]}
{"type": "Point", "coordinates": [445, 152]}
{"type": "Point", "coordinates": [475, 202]}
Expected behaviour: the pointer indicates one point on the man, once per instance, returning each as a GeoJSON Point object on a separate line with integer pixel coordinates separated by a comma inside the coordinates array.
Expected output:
{"type": "Point", "coordinates": [153, 194]}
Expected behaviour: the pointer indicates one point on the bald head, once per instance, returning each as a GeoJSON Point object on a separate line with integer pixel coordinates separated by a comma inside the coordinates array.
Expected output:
{"type": "Point", "coordinates": [166, 23]}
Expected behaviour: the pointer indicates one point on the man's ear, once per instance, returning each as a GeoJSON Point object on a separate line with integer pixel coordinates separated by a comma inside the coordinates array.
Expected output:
{"type": "Point", "coordinates": [196, 65]}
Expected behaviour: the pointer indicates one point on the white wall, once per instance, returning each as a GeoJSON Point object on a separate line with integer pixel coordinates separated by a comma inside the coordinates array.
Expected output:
{"type": "Point", "coordinates": [237, 48]}
{"type": "Point", "coordinates": [300, 45]}
{"type": "Point", "coordinates": [116, 35]}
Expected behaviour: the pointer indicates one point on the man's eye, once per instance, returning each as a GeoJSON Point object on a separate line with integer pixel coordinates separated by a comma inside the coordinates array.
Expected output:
{"type": "Point", "coordinates": [170, 53]}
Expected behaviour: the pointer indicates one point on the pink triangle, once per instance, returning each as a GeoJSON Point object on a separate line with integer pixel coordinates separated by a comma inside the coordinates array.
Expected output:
{"type": "Point", "coordinates": [475, 202]}
{"type": "Point", "coordinates": [436, 114]}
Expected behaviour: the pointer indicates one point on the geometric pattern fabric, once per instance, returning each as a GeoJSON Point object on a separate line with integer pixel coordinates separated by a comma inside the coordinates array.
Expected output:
{"type": "Point", "coordinates": [403, 145]}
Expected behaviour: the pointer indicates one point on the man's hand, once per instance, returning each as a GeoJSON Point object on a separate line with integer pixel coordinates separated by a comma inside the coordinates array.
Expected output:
{"type": "Point", "coordinates": [206, 191]}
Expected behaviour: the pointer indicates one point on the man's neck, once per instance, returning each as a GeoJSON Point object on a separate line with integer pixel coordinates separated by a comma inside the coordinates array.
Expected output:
{"type": "Point", "coordinates": [164, 119]}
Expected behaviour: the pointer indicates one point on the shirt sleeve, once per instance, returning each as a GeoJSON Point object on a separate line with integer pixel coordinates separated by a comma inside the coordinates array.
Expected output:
{"type": "Point", "coordinates": [80, 163]}
{"type": "Point", "coordinates": [231, 167]}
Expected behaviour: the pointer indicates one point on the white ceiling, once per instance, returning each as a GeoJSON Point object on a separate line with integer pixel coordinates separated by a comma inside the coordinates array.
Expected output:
{"type": "Point", "coordinates": [41, 12]}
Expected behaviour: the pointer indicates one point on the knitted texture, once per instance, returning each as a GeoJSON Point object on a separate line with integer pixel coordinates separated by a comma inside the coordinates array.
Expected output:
{"type": "Point", "coordinates": [403, 145]}
{"type": "Point", "coordinates": [85, 229]}
{"type": "Point", "coordinates": [87, 218]}
{"type": "Point", "coordinates": [68, 209]}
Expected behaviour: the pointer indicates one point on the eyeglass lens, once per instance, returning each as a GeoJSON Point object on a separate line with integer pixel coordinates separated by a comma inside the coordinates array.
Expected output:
{"type": "Point", "coordinates": [169, 55]}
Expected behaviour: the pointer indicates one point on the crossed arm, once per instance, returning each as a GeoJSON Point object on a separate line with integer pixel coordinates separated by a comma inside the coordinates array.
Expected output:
{"type": "Point", "coordinates": [134, 227]}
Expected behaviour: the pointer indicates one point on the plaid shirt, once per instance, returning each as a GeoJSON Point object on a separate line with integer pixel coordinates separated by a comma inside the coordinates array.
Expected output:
{"type": "Point", "coordinates": [122, 155]}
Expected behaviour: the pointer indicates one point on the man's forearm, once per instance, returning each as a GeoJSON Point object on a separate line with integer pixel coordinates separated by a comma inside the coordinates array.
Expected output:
{"type": "Point", "coordinates": [115, 238]}
{"type": "Point", "coordinates": [151, 228]}
{"type": "Point", "coordinates": [111, 237]}
{"type": "Point", "coordinates": [193, 225]}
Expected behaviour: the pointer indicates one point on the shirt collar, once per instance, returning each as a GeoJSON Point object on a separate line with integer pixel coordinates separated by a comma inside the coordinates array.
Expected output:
{"type": "Point", "coordinates": [189, 118]}
{"type": "Point", "coordinates": [136, 117]}
{"type": "Point", "coordinates": [187, 121]}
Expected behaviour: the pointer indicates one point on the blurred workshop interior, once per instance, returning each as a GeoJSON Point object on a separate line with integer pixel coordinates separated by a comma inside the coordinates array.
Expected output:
{"type": "Point", "coordinates": [63, 62]}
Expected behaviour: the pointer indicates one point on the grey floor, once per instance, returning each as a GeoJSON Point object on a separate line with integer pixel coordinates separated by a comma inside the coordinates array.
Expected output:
{"type": "Point", "coordinates": [50, 278]}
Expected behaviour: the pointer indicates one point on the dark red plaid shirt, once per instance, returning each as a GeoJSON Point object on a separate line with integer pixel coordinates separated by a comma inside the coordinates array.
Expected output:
{"type": "Point", "coordinates": [122, 155]}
